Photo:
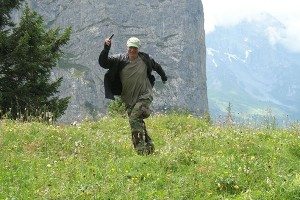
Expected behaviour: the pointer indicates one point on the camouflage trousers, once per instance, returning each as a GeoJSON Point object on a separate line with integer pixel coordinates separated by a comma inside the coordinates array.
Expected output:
{"type": "Point", "coordinates": [141, 140]}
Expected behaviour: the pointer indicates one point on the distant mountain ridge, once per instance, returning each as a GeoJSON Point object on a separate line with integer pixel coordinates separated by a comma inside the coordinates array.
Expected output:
{"type": "Point", "coordinates": [246, 67]}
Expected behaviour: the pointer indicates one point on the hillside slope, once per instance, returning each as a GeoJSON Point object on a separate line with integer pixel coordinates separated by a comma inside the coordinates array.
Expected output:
{"type": "Point", "coordinates": [193, 160]}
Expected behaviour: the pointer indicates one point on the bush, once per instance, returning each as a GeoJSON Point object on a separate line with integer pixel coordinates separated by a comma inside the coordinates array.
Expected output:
{"type": "Point", "coordinates": [117, 108]}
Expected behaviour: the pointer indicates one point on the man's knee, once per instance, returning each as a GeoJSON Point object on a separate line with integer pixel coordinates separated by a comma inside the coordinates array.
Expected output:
{"type": "Point", "coordinates": [144, 111]}
{"type": "Point", "coordinates": [141, 109]}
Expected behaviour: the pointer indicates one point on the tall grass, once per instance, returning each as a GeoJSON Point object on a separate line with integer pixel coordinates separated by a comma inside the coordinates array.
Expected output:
{"type": "Point", "coordinates": [193, 160]}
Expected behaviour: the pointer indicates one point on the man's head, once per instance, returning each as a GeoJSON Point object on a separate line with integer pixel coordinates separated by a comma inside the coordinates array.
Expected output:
{"type": "Point", "coordinates": [133, 45]}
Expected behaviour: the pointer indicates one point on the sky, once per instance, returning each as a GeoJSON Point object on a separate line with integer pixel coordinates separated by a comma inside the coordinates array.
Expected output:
{"type": "Point", "coordinates": [231, 12]}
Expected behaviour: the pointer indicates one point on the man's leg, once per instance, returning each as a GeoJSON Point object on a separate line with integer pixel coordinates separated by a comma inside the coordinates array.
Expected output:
{"type": "Point", "coordinates": [140, 138]}
{"type": "Point", "coordinates": [148, 140]}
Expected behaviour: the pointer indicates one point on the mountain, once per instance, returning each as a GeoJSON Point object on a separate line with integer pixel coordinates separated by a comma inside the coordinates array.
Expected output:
{"type": "Point", "coordinates": [249, 69]}
{"type": "Point", "coordinates": [171, 31]}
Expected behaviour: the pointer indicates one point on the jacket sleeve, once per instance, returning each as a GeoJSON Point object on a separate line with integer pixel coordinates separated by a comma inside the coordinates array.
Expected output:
{"type": "Point", "coordinates": [104, 60]}
{"type": "Point", "coordinates": [157, 67]}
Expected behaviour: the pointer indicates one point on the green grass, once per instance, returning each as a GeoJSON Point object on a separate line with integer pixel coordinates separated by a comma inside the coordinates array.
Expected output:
{"type": "Point", "coordinates": [193, 160]}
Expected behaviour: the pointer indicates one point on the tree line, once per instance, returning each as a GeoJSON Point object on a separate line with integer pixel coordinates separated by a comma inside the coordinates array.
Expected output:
{"type": "Point", "coordinates": [28, 52]}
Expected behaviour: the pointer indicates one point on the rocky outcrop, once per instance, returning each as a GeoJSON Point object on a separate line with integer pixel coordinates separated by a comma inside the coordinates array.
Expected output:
{"type": "Point", "coordinates": [171, 31]}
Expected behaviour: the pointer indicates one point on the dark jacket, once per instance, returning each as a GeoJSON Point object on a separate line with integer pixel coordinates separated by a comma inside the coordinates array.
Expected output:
{"type": "Point", "coordinates": [112, 81]}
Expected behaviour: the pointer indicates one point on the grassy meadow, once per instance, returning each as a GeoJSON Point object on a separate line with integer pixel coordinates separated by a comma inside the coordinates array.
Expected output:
{"type": "Point", "coordinates": [193, 160]}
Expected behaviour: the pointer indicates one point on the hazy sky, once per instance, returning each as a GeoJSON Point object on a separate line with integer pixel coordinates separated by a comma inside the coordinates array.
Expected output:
{"type": "Point", "coordinates": [231, 12]}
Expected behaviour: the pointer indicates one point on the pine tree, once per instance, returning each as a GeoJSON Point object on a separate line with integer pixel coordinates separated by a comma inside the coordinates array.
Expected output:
{"type": "Point", "coordinates": [6, 6]}
{"type": "Point", "coordinates": [229, 117]}
{"type": "Point", "coordinates": [30, 55]}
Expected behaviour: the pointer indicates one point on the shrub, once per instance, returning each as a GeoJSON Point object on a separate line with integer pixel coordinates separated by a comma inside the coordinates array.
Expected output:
{"type": "Point", "coordinates": [117, 108]}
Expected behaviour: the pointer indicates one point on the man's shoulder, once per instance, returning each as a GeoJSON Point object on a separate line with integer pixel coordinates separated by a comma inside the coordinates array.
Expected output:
{"type": "Point", "coordinates": [144, 55]}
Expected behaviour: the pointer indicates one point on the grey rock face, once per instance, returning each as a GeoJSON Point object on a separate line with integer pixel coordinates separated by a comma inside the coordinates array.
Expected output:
{"type": "Point", "coordinates": [171, 31]}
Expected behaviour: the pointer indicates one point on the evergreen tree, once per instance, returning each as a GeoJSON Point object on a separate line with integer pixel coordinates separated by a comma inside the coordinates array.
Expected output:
{"type": "Point", "coordinates": [229, 117]}
{"type": "Point", "coordinates": [31, 53]}
{"type": "Point", "coordinates": [6, 6]}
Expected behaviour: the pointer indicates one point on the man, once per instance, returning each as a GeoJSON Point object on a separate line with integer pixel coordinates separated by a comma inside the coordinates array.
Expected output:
{"type": "Point", "coordinates": [129, 76]}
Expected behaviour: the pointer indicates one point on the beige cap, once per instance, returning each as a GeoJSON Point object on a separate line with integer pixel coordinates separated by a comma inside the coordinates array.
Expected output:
{"type": "Point", "coordinates": [133, 42]}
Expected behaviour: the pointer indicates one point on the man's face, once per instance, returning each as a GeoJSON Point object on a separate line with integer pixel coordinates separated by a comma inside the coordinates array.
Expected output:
{"type": "Point", "coordinates": [133, 53]}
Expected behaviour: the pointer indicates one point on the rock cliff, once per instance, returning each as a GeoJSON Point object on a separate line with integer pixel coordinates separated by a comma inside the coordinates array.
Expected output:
{"type": "Point", "coordinates": [171, 31]}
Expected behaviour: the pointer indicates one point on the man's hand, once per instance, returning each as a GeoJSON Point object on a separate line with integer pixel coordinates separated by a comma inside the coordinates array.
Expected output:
{"type": "Point", "coordinates": [107, 42]}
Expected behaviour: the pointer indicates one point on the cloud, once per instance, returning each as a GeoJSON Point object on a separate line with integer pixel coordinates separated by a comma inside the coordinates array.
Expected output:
{"type": "Point", "coordinates": [231, 12]}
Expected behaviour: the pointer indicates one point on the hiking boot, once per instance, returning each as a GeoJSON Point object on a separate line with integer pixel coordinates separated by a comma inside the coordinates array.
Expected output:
{"type": "Point", "coordinates": [150, 148]}
{"type": "Point", "coordinates": [138, 142]}
{"type": "Point", "coordinates": [142, 143]}
{"type": "Point", "coordinates": [137, 138]}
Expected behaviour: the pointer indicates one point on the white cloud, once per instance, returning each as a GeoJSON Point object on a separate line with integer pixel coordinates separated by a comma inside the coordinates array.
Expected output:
{"type": "Point", "coordinates": [231, 12]}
